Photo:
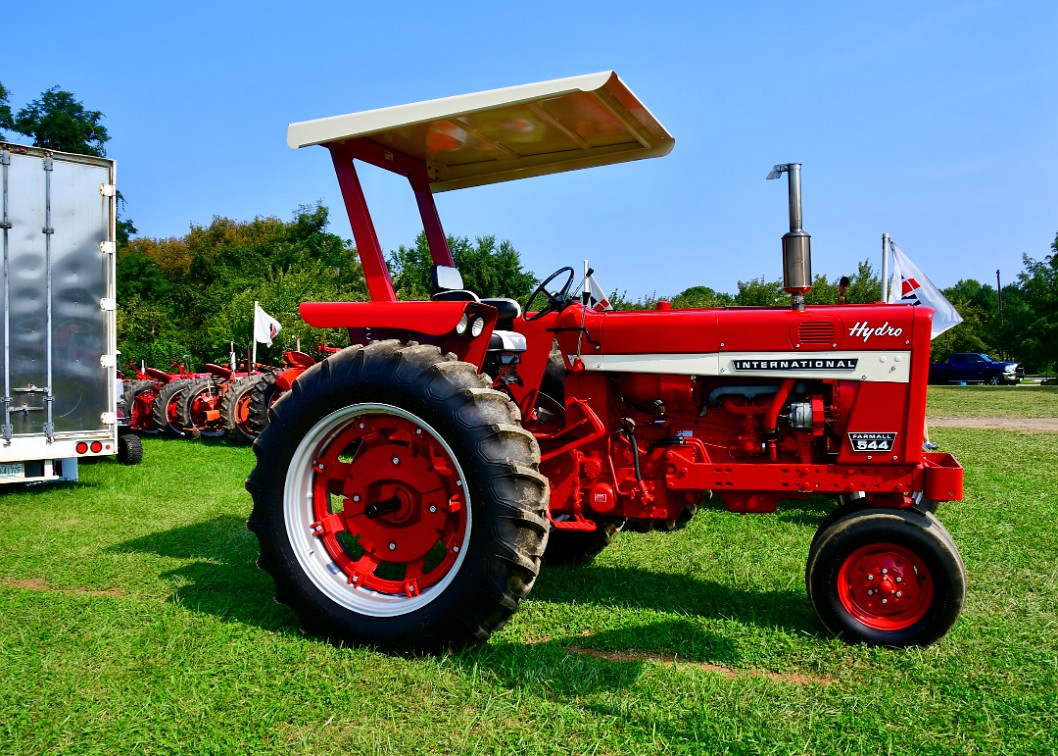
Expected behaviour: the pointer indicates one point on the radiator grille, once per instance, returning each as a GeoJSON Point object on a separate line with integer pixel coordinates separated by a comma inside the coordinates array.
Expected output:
{"type": "Point", "coordinates": [821, 332]}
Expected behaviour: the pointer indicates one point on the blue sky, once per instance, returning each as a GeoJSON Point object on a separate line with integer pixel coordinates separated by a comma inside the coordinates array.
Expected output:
{"type": "Point", "coordinates": [934, 122]}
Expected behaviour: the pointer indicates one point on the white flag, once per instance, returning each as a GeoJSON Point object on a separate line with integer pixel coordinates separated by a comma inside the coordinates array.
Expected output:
{"type": "Point", "coordinates": [594, 296]}
{"type": "Point", "coordinates": [265, 327]}
{"type": "Point", "coordinates": [909, 284]}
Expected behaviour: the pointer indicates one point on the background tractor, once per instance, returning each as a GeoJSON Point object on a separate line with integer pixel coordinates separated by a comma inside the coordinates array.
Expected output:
{"type": "Point", "coordinates": [410, 486]}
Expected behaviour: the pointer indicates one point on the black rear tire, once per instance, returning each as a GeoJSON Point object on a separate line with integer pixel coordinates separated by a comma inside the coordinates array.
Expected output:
{"type": "Point", "coordinates": [263, 395]}
{"type": "Point", "coordinates": [200, 397]}
{"type": "Point", "coordinates": [397, 500]}
{"type": "Point", "coordinates": [578, 546]}
{"type": "Point", "coordinates": [167, 407]}
{"type": "Point", "coordinates": [235, 409]}
{"type": "Point", "coordinates": [139, 413]}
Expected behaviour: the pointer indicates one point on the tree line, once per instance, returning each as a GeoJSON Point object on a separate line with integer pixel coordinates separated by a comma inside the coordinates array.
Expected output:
{"type": "Point", "coordinates": [193, 295]}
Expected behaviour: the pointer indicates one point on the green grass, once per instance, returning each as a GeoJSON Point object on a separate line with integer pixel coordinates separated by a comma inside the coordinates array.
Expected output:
{"type": "Point", "coordinates": [132, 619]}
{"type": "Point", "coordinates": [1024, 400]}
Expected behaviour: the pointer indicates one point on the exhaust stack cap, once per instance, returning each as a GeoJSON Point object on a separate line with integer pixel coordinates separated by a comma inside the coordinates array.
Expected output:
{"type": "Point", "coordinates": [796, 244]}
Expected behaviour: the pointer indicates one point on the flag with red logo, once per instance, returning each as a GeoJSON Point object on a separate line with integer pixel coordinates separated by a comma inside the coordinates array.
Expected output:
{"type": "Point", "coordinates": [265, 327]}
{"type": "Point", "coordinates": [594, 296]}
{"type": "Point", "coordinates": [908, 284]}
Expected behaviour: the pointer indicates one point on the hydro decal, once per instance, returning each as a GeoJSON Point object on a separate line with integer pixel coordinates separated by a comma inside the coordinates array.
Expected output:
{"type": "Point", "coordinates": [872, 442]}
{"type": "Point", "coordinates": [828, 363]}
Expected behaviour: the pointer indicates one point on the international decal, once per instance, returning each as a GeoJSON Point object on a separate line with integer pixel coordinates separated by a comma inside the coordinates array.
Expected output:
{"type": "Point", "coordinates": [799, 363]}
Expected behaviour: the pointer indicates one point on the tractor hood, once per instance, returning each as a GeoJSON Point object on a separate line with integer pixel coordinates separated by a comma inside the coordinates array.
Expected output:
{"type": "Point", "coordinates": [505, 134]}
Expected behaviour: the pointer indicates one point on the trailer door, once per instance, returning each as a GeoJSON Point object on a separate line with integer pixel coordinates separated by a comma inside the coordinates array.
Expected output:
{"type": "Point", "coordinates": [57, 291]}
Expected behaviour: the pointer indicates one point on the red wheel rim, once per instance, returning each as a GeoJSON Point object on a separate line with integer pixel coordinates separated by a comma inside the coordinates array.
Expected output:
{"type": "Point", "coordinates": [140, 417]}
{"type": "Point", "coordinates": [202, 404]}
{"type": "Point", "coordinates": [388, 504]}
{"type": "Point", "coordinates": [242, 411]}
{"type": "Point", "coordinates": [885, 586]}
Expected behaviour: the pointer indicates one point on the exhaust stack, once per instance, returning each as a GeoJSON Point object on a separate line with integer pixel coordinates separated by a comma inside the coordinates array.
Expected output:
{"type": "Point", "coordinates": [796, 244]}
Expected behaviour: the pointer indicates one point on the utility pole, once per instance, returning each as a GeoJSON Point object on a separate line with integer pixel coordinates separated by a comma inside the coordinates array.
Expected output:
{"type": "Point", "coordinates": [999, 288]}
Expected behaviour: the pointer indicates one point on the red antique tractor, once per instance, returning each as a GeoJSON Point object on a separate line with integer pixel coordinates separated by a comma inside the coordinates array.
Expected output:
{"type": "Point", "coordinates": [409, 487]}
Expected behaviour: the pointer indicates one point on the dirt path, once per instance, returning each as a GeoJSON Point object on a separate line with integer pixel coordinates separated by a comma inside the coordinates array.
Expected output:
{"type": "Point", "coordinates": [1025, 424]}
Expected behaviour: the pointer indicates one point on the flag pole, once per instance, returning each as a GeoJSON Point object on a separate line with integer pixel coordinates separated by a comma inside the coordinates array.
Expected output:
{"type": "Point", "coordinates": [253, 359]}
{"type": "Point", "coordinates": [885, 267]}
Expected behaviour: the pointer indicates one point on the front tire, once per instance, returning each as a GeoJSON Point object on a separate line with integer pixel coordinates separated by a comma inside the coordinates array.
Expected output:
{"type": "Point", "coordinates": [397, 500]}
{"type": "Point", "coordinates": [886, 578]}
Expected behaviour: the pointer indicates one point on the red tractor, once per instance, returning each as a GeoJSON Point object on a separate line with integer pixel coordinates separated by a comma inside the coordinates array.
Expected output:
{"type": "Point", "coordinates": [409, 487]}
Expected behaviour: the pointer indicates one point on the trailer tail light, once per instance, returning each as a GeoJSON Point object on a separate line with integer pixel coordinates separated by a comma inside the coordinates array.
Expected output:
{"type": "Point", "coordinates": [95, 447]}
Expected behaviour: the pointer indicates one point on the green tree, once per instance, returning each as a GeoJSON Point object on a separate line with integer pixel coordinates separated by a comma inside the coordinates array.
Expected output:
{"type": "Point", "coordinates": [701, 296]}
{"type": "Point", "coordinates": [6, 118]}
{"type": "Point", "coordinates": [1035, 316]}
{"type": "Point", "coordinates": [194, 294]}
{"type": "Point", "coordinates": [59, 121]}
{"type": "Point", "coordinates": [488, 270]}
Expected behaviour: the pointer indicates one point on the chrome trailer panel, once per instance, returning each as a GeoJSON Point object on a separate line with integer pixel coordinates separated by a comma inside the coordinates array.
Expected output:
{"type": "Point", "coordinates": [57, 339]}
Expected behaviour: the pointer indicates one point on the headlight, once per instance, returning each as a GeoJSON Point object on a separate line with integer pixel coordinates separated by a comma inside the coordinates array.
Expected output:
{"type": "Point", "coordinates": [477, 327]}
{"type": "Point", "coordinates": [1010, 369]}
{"type": "Point", "coordinates": [461, 326]}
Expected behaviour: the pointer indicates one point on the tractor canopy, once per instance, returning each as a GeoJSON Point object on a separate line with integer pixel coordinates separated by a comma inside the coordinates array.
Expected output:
{"type": "Point", "coordinates": [504, 134]}
{"type": "Point", "coordinates": [476, 139]}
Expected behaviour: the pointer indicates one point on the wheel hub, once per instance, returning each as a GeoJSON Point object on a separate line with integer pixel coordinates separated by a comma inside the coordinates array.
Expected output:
{"type": "Point", "coordinates": [389, 506]}
{"type": "Point", "coordinates": [885, 586]}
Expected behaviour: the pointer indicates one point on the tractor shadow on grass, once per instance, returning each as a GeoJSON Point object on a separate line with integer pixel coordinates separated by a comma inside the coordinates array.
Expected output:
{"type": "Point", "coordinates": [218, 575]}
{"type": "Point", "coordinates": [588, 663]}
{"type": "Point", "coordinates": [617, 588]}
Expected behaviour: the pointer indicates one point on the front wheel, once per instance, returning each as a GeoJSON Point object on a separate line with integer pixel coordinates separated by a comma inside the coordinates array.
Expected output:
{"type": "Point", "coordinates": [886, 578]}
{"type": "Point", "coordinates": [397, 500]}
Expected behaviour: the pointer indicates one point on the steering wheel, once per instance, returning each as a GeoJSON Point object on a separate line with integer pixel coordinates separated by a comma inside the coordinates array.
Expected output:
{"type": "Point", "coordinates": [556, 302]}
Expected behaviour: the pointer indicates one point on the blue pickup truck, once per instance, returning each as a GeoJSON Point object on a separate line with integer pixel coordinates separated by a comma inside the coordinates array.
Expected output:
{"type": "Point", "coordinates": [970, 367]}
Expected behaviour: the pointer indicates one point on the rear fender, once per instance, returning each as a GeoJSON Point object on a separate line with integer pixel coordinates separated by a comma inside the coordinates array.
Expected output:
{"type": "Point", "coordinates": [429, 322]}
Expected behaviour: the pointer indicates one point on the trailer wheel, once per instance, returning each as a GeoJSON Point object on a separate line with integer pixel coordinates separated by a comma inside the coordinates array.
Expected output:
{"type": "Point", "coordinates": [235, 409]}
{"type": "Point", "coordinates": [130, 449]}
{"type": "Point", "coordinates": [166, 407]}
{"type": "Point", "coordinates": [397, 500]}
{"type": "Point", "coordinates": [198, 409]}
{"type": "Point", "coordinates": [886, 578]}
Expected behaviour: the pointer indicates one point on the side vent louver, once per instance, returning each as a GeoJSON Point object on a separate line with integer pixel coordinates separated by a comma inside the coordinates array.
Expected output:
{"type": "Point", "coordinates": [820, 332]}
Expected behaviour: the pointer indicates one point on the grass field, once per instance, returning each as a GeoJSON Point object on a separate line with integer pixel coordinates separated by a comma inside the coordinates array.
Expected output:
{"type": "Point", "coordinates": [993, 401]}
{"type": "Point", "coordinates": [132, 619]}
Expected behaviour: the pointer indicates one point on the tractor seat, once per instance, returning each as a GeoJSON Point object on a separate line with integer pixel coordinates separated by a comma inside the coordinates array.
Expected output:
{"type": "Point", "coordinates": [448, 287]}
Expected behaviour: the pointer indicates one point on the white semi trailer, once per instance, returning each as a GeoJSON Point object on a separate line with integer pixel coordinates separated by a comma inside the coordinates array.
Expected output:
{"type": "Point", "coordinates": [58, 335]}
